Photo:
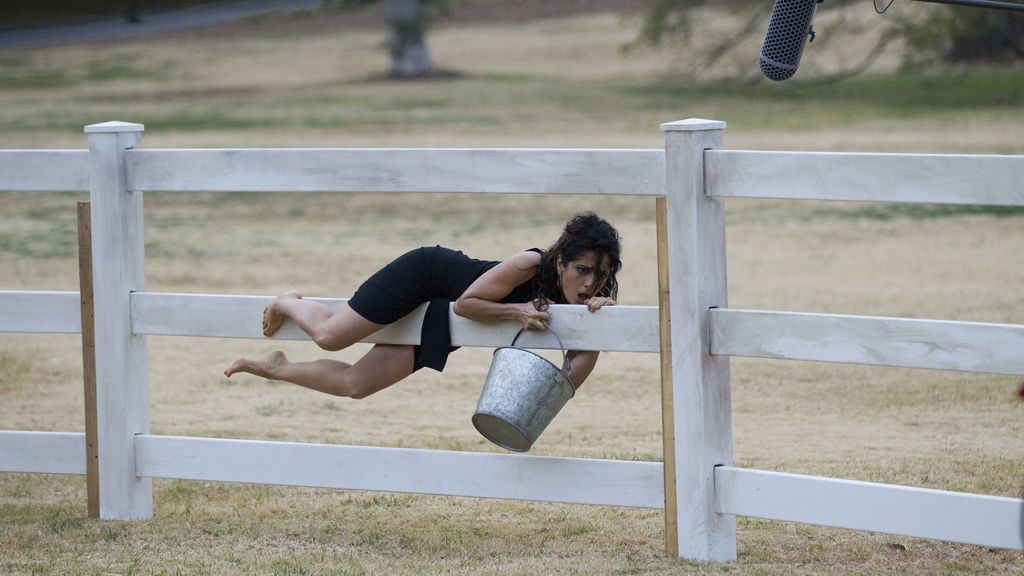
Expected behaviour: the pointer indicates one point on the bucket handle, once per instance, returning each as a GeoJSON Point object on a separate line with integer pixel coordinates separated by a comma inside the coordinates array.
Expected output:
{"type": "Point", "coordinates": [565, 356]}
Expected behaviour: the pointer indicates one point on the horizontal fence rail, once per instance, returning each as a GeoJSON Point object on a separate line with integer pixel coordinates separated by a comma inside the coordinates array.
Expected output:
{"type": "Point", "coordinates": [40, 312]}
{"type": "Point", "coordinates": [551, 479]}
{"type": "Point", "coordinates": [47, 170]}
{"type": "Point", "coordinates": [42, 452]}
{"type": "Point", "coordinates": [615, 328]}
{"type": "Point", "coordinates": [903, 510]}
{"type": "Point", "coordinates": [916, 178]}
{"type": "Point", "coordinates": [505, 171]}
{"type": "Point", "coordinates": [879, 341]}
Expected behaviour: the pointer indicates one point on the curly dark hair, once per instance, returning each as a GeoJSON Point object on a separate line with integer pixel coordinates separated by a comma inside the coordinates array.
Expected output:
{"type": "Point", "coordinates": [583, 233]}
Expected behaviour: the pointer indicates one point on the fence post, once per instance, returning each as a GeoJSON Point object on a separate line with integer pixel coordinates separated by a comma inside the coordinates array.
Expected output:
{"type": "Point", "coordinates": [122, 387]}
{"type": "Point", "coordinates": [697, 392]}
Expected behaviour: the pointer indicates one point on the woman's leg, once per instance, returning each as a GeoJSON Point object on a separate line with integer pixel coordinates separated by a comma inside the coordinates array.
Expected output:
{"type": "Point", "coordinates": [330, 331]}
{"type": "Point", "coordinates": [379, 368]}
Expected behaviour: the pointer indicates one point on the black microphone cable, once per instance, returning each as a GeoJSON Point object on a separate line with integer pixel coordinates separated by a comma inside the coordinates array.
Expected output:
{"type": "Point", "coordinates": [882, 10]}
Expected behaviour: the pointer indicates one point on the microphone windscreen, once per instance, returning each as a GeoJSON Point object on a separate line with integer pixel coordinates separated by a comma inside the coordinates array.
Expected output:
{"type": "Point", "coordinates": [787, 34]}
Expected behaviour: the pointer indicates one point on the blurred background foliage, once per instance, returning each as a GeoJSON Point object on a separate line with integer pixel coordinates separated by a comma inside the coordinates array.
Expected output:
{"type": "Point", "coordinates": [925, 37]}
{"type": "Point", "coordinates": [970, 36]}
{"type": "Point", "coordinates": [933, 36]}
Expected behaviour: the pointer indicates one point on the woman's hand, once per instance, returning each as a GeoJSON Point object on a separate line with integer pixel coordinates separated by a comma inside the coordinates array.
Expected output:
{"type": "Point", "coordinates": [597, 302]}
{"type": "Point", "coordinates": [530, 317]}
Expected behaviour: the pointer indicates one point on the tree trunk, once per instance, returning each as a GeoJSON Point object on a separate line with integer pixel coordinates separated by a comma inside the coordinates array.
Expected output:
{"type": "Point", "coordinates": [409, 55]}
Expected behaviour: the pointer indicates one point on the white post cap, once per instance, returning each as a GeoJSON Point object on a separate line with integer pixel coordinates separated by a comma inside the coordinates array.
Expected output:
{"type": "Point", "coordinates": [114, 126]}
{"type": "Point", "coordinates": [692, 125]}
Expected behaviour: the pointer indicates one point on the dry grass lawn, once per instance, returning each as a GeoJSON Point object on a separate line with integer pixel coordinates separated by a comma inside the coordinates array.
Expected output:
{"type": "Point", "coordinates": [556, 82]}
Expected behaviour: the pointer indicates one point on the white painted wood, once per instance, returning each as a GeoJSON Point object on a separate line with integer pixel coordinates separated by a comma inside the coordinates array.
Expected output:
{"type": "Point", "coordinates": [907, 511]}
{"type": "Point", "coordinates": [918, 178]}
{"type": "Point", "coordinates": [44, 170]}
{"type": "Point", "coordinates": [114, 126]}
{"type": "Point", "coordinates": [628, 172]}
{"type": "Point", "coordinates": [40, 312]}
{"type": "Point", "coordinates": [122, 387]}
{"type": "Point", "coordinates": [42, 452]}
{"type": "Point", "coordinates": [616, 328]}
{"type": "Point", "coordinates": [880, 341]}
{"type": "Point", "coordinates": [693, 125]}
{"type": "Point", "coordinates": [515, 477]}
{"type": "Point", "coordinates": [702, 420]}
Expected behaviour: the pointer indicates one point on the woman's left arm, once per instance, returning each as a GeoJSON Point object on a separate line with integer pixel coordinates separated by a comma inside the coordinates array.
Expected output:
{"type": "Point", "coordinates": [581, 363]}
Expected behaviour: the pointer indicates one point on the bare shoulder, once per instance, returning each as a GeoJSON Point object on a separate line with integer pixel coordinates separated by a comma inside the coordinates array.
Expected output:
{"type": "Point", "coordinates": [500, 280]}
{"type": "Point", "coordinates": [526, 260]}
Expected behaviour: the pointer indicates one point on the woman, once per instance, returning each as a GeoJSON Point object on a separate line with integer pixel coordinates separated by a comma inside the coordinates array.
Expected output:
{"type": "Point", "coordinates": [579, 268]}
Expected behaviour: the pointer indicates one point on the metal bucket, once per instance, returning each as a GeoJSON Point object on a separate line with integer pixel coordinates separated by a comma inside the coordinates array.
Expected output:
{"type": "Point", "coordinates": [522, 394]}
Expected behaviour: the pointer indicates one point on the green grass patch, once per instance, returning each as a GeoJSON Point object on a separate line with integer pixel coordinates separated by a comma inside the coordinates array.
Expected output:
{"type": "Point", "coordinates": [13, 370]}
{"type": "Point", "coordinates": [490, 103]}
{"type": "Point", "coordinates": [25, 74]}
{"type": "Point", "coordinates": [886, 212]}
{"type": "Point", "coordinates": [212, 120]}
{"type": "Point", "coordinates": [811, 105]}
{"type": "Point", "coordinates": [52, 243]}
{"type": "Point", "coordinates": [60, 522]}
{"type": "Point", "coordinates": [33, 568]}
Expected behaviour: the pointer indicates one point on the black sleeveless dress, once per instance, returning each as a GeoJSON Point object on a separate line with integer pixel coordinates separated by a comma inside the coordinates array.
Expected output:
{"type": "Point", "coordinates": [436, 275]}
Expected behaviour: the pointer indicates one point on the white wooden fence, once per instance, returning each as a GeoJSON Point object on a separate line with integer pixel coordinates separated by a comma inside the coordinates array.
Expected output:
{"type": "Point", "coordinates": [697, 485]}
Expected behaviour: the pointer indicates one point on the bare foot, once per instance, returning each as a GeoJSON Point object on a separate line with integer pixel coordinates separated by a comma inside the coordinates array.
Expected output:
{"type": "Point", "coordinates": [272, 316]}
{"type": "Point", "coordinates": [264, 368]}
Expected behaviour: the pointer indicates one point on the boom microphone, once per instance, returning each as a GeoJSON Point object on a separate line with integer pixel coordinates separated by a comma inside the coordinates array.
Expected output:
{"type": "Point", "coordinates": [787, 34]}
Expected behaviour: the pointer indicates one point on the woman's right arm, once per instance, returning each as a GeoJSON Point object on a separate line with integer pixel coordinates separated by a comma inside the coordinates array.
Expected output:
{"type": "Point", "coordinates": [480, 302]}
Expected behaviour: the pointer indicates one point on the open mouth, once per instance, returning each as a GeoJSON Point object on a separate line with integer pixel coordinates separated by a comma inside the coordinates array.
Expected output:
{"type": "Point", "coordinates": [582, 298]}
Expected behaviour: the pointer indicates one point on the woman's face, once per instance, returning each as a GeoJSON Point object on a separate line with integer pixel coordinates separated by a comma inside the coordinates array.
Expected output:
{"type": "Point", "coordinates": [581, 278]}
